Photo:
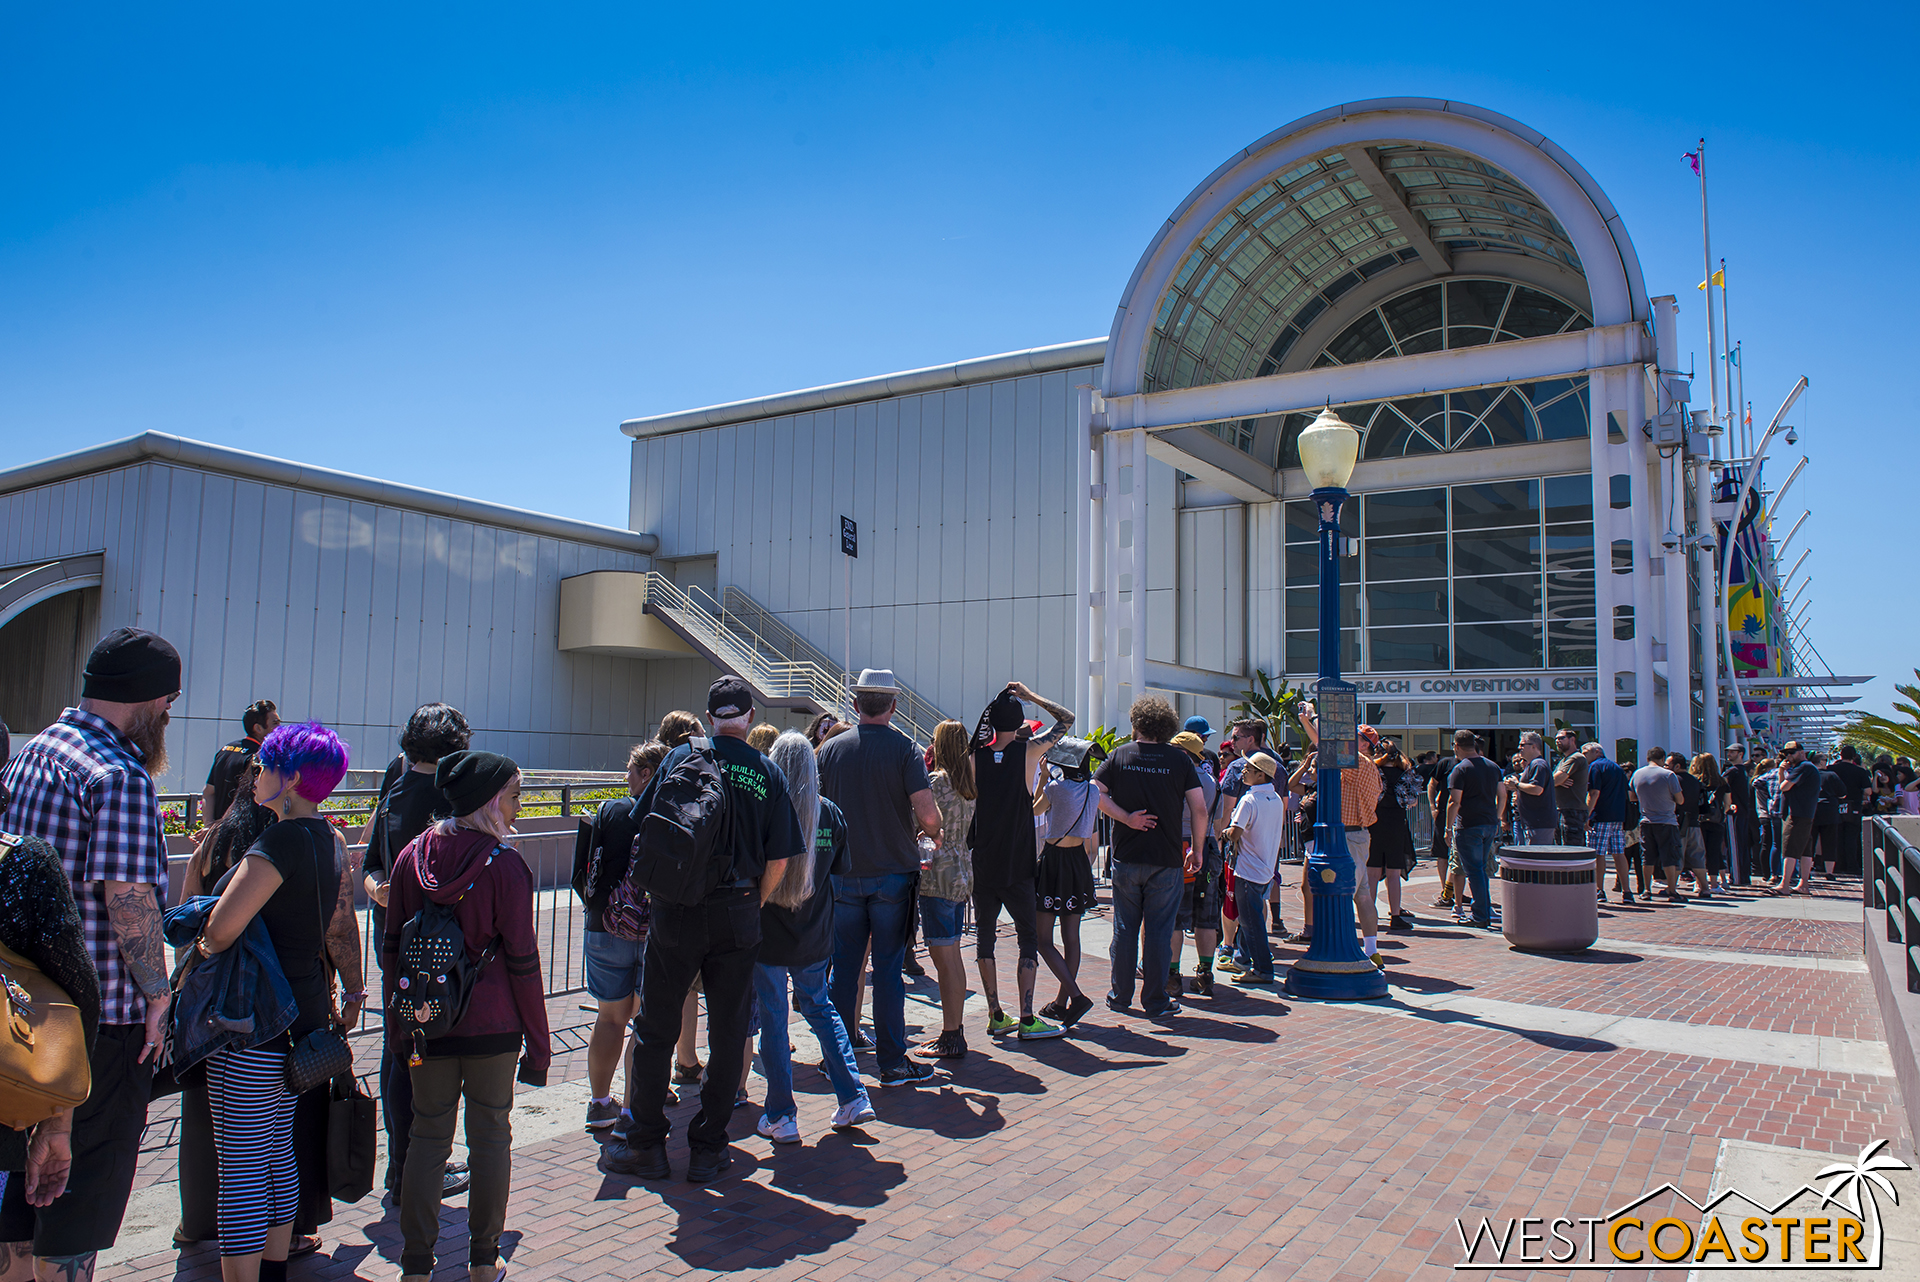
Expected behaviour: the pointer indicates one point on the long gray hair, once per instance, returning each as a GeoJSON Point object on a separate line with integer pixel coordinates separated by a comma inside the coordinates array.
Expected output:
{"type": "Point", "coordinates": [794, 755]}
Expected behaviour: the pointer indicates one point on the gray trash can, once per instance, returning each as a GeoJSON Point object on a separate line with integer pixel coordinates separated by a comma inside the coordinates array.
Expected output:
{"type": "Point", "coordinates": [1547, 899]}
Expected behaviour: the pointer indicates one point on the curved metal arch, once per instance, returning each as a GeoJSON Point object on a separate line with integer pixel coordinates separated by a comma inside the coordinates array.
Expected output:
{"type": "Point", "coordinates": [1617, 289]}
{"type": "Point", "coordinates": [25, 586]}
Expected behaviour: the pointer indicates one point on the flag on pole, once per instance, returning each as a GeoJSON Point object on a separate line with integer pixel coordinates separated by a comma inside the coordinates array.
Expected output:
{"type": "Point", "coordinates": [1693, 158]}
{"type": "Point", "coordinates": [1719, 278]}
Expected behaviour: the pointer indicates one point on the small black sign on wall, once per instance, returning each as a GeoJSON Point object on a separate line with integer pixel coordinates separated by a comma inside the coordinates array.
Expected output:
{"type": "Point", "coordinates": [849, 537]}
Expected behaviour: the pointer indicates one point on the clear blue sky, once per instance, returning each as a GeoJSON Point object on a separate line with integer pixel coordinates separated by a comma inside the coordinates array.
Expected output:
{"type": "Point", "coordinates": [456, 245]}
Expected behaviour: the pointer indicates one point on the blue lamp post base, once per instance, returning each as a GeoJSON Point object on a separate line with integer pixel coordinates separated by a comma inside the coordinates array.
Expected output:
{"type": "Point", "coordinates": [1334, 968]}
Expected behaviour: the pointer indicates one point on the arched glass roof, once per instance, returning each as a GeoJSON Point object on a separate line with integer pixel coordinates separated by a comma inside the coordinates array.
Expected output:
{"type": "Point", "coordinates": [1281, 255]}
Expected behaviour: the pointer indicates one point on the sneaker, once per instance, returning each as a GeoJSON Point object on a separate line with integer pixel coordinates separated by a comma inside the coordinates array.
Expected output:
{"type": "Point", "coordinates": [1229, 965]}
{"type": "Point", "coordinates": [1035, 1029]}
{"type": "Point", "coordinates": [625, 1124]}
{"type": "Point", "coordinates": [705, 1164]}
{"type": "Point", "coordinates": [906, 1074]}
{"type": "Point", "coordinates": [855, 1112]}
{"type": "Point", "coordinates": [781, 1130]}
{"type": "Point", "coordinates": [456, 1180]}
{"type": "Point", "coordinates": [1118, 1005]}
{"type": "Point", "coordinates": [1297, 938]}
{"type": "Point", "coordinates": [912, 967]}
{"type": "Point", "coordinates": [860, 1041]}
{"type": "Point", "coordinates": [1252, 980]}
{"type": "Point", "coordinates": [1000, 1023]}
{"type": "Point", "coordinates": [1055, 1009]}
{"type": "Point", "coordinates": [601, 1115]}
{"type": "Point", "coordinates": [646, 1162]}
{"type": "Point", "coordinates": [1445, 901]}
{"type": "Point", "coordinates": [1076, 1010]}
{"type": "Point", "coordinates": [683, 1075]}
{"type": "Point", "coordinates": [1378, 961]}
{"type": "Point", "coordinates": [1626, 896]}
{"type": "Point", "coordinates": [1203, 983]}
{"type": "Point", "coordinates": [1168, 1011]}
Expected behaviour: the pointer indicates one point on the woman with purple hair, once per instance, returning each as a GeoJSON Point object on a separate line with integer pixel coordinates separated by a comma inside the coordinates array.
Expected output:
{"type": "Point", "coordinates": [296, 878]}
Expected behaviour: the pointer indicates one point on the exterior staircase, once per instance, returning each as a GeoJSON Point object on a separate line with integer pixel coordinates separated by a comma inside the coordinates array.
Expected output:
{"type": "Point", "coordinates": [786, 670]}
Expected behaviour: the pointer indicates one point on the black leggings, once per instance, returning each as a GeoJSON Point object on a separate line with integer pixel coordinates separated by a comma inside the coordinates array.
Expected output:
{"type": "Point", "coordinates": [1018, 899]}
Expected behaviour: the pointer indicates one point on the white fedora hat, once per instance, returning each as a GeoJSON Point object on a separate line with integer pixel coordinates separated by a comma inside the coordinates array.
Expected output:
{"type": "Point", "coordinates": [877, 680]}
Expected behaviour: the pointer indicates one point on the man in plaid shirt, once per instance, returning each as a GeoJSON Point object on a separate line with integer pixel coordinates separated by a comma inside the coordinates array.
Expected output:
{"type": "Point", "coordinates": [85, 786]}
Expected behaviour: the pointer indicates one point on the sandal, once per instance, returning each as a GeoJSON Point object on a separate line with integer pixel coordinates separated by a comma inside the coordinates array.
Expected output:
{"type": "Point", "coordinates": [303, 1245]}
{"type": "Point", "coordinates": [687, 1076]}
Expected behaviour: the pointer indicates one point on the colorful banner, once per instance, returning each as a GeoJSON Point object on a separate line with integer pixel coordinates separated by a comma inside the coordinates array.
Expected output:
{"type": "Point", "coordinates": [1751, 615]}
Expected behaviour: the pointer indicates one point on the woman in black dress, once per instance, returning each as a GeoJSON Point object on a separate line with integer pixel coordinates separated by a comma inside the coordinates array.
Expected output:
{"type": "Point", "coordinates": [1391, 852]}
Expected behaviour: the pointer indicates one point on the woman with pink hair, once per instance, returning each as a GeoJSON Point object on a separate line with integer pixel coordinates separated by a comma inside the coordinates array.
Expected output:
{"type": "Point", "coordinates": [296, 879]}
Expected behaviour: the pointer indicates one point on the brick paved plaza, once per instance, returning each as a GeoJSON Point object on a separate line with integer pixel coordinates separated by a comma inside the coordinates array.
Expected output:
{"type": "Point", "coordinates": [1253, 1136]}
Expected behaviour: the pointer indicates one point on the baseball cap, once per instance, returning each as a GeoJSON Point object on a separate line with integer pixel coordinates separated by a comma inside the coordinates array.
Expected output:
{"type": "Point", "coordinates": [729, 697]}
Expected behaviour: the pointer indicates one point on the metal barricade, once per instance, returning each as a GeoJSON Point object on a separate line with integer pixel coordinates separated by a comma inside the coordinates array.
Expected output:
{"type": "Point", "coordinates": [1892, 886]}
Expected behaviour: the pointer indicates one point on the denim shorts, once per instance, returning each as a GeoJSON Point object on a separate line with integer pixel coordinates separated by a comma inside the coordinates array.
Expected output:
{"type": "Point", "coordinates": [940, 920]}
{"type": "Point", "coordinates": [613, 966]}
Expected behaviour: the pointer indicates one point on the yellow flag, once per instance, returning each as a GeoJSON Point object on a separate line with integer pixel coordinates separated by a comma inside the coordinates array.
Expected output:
{"type": "Point", "coordinates": [1719, 278]}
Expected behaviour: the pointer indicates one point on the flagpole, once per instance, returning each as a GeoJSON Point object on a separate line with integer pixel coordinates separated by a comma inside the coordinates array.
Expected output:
{"type": "Point", "coordinates": [1706, 283]}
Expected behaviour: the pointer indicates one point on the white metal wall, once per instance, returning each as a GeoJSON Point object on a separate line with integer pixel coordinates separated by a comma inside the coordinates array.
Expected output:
{"type": "Point", "coordinates": [349, 612]}
{"type": "Point", "coordinates": [964, 500]}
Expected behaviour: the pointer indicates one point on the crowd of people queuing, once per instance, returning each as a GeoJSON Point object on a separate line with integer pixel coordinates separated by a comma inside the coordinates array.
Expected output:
{"type": "Point", "coordinates": [845, 849]}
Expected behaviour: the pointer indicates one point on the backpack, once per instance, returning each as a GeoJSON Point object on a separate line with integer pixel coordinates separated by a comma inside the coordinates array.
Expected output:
{"type": "Point", "coordinates": [1407, 793]}
{"type": "Point", "coordinates": [604, 871]}
{"type": "Point", "coordinates": [437, 977]}
{"type": "Point", "coordinates": [685, 846]}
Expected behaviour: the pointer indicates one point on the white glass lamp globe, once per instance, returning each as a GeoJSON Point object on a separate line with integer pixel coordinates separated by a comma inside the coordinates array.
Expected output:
{"type": "Point", "coordinates": [1328, 448]}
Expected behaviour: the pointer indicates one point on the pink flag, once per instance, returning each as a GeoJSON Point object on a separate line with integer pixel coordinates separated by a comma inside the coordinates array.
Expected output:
{"type": "Point", "coordinates": [1693, 159]}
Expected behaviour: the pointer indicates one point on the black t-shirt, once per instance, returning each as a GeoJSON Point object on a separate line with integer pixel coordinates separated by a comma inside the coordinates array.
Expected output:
{"type": "Point", "coordinates": [408, 807]}
{"type": "Point", "coordinates": [764, 826]}
{"type": "Point", "coordinates": [1803, 796]}
{"type": "Point", "coordinates": [302, 851]}
{"type": "Point", "coordinates": [1442, 771]}
{"type": "Point", "coordinates": [1154, 777]}
{"type": "Point", "coordinates": [804, 936]}
{"type": "Point", "coordinates": [1540, 811]}
{"type": "Point", "coordinates": [1691, 797]}
{"type": "Point", "coordinates": [1856, 781]}
{"type": "Point", "coordinates": [1832, 794]}
{"type": "Point", "coordinates": [229, 768]}
{"type": "Point", "coordinates": [1739, 790]}
{"type": "Point", "coordinates": [872, 772]}
{"type": "Point", "coordinates": [1478, 780]}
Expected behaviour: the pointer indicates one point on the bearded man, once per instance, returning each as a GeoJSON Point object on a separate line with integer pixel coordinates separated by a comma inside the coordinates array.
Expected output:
{"type": "Point", "coordinates": [85, 786]}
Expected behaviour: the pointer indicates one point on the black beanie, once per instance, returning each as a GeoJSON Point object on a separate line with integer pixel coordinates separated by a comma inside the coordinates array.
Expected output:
{"type": "Point", "coordinates": [471, 779]}
{"type": "Point", "coordinates": [1006, 712]}
{"type": "Point", "coordinates": [131, 666]}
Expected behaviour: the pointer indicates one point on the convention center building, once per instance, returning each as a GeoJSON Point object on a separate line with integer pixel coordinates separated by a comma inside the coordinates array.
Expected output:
{"type": "Point", "coordinates": [1096, 518]}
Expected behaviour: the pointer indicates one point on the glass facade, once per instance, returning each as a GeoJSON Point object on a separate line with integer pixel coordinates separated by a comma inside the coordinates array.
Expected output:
{"type": "Point", "coordinates": [1289, 249]}
{"type": "Point", "coordinates": [1492, 576]}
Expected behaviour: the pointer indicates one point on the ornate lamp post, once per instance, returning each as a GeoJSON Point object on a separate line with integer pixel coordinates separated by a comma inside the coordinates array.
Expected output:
{"type": "Point", "coordinates": [1334, 968]}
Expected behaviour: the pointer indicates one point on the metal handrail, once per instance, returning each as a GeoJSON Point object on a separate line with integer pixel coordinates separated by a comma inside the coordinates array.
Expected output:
{"type": "Point", "coordinates": [773, 658]}
{"type": "Point", "coordinates": [1893, 887]}
{"type": "Point", "coordinates": [535, 785]}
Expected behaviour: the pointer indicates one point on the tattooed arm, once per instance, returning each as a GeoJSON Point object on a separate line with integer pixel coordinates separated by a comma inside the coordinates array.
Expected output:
{"type": "Point", "coordinates": [133, 910]}
{"type": "Point", "coordinates": [1062, 722]}
{"type": "Point", "coordinates": [343, 935]}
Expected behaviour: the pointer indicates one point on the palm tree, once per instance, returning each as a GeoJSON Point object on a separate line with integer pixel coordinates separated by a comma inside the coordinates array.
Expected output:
{"type": "Point", "coordinates": [1881, 734]}
{"type": "Point", "coordinates": [1853, 1177]}
{"type": "Point", "coordinates": [1280, 708]}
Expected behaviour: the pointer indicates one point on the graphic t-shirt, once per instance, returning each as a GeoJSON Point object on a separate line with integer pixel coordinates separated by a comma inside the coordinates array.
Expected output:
{"type": "Point", "coordinates": [870, 772]}
{"type": "Point", "coordinates": [1541, 811]}
{"type": "Point", "coordinates": [1800, 791]}
{"type": "Point", "coordinates": [1154, 777]}
{"type": "Point", "coordinates": [764, 825]}
{"type": "Point", "coordinates": [1605, 777]}
{"type": "Point", "coordinates": [804, 935]}
{"type": "Point", "coordinates": [1478, 781]}
{"type": "Point", "coordinates": [229, 768]}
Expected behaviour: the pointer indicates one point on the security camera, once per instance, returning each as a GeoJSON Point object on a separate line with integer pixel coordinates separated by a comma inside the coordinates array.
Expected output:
{"type": "Point", "coordinates": [1670, 541]}
{"type": "Point", "coordinates": [1793, 437]}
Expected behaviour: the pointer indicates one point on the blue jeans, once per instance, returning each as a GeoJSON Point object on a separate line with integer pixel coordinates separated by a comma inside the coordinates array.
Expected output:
{"type": "Point", "coordinates": [776, 1051]}
{"type": "Point", "coordinates": [1144, 898]}
{"type": "Point", "coordinates": [873, 907]}
{"type": "Point", "coordinates": [1472, 846]}
{"type": "Point", "coordinates": [1250, 941]}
